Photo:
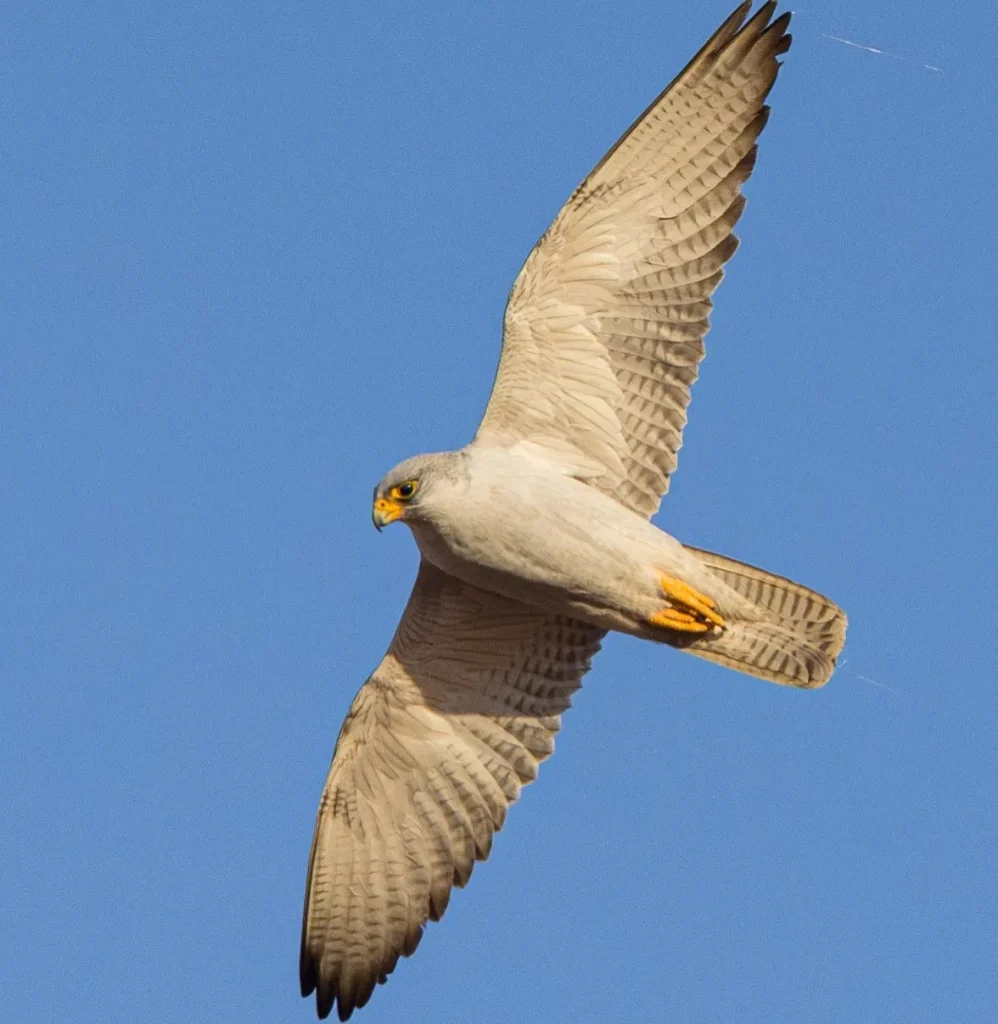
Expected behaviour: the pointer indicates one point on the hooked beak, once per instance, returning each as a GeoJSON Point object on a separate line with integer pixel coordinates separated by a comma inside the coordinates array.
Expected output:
{"type": "Point", "coordinates": [385, 511]}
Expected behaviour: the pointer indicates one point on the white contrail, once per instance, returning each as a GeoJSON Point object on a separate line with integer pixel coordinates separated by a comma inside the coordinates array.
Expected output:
{"type": "Point", "coordinates": [873, 682]}
{"type": "Point", "coordinates": [883, 686]}
{"type": "Point", "coordinates": [882, 53]}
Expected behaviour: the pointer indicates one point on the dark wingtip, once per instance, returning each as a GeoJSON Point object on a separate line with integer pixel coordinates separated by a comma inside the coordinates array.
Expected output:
{"type": "Point", "coordinates": [323, 1003]}
{"type": "Point", "coordinates": [306, 975]}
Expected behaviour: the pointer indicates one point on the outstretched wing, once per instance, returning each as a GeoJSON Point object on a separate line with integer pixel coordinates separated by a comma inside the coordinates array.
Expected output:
{"type": "Point", "coordinates": [436, 746]}
{"type": "Point", "coordinates": [604, 326]}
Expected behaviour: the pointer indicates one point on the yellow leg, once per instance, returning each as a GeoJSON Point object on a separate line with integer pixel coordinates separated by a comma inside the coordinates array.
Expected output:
{"type": "Point", "coordinates": [689, 610]}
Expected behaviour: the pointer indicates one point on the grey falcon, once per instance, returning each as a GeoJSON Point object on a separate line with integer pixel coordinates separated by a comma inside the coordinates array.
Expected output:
{"type": "Point", "coordinates": [535, 538]}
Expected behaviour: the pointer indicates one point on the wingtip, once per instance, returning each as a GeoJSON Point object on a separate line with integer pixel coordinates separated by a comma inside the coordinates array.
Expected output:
{"type": "Point", "coordinates": [739, 14]}
{"type": "Point", "coordinates": [323, 1003]}
{"type": "Point", "coordinates": [306, 972]}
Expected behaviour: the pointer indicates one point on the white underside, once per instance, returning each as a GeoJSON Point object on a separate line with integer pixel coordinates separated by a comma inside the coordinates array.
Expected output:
{"type": "Point", "coordinates": [517, 525]}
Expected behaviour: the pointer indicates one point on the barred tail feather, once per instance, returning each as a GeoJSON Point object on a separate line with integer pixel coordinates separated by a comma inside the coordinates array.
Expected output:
{"type": "Point", "coordinates": [796, 639]}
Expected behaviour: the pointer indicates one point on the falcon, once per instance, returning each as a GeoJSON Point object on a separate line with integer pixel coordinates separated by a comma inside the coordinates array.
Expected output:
{"type": "Point", "coordinates": [535, 538]}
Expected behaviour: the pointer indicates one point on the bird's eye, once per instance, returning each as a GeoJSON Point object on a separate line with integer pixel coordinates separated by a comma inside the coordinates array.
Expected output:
{"type": "Point", "coordinates": [406, 490]}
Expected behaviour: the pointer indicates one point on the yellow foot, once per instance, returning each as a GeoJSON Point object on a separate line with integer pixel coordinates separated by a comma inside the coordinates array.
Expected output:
{"type": "Point", "coordinates": [679, 621]}
{"type": "Point", "coordinates": [689, 611]}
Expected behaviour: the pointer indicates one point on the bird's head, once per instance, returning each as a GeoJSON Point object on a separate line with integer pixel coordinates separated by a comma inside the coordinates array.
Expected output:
{"type": "Point", "coordinates": [403, 492]}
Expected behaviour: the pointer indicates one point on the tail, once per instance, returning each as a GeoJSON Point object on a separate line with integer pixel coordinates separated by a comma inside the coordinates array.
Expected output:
{"type": "Point", "coordinates": [795, 639]}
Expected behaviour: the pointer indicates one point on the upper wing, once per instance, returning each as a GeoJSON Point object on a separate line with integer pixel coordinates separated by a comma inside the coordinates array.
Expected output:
{"type": "Point", "coordinates": [604, 326]}
{"type": "Point", "coordinates": [436, 745]}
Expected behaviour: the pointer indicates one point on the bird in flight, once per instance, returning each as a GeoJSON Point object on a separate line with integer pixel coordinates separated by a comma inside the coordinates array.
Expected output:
{"type": "Point", "coordinates": [535, 538]}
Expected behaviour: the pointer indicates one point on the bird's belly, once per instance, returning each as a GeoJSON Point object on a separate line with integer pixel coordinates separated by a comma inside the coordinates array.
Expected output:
{"type": "Point", "coordinates": [567, 549]}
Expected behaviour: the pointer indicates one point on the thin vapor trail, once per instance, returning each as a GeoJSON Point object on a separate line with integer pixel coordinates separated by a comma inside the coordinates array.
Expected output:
{"type": "Point", "coordinates": [882, 53]}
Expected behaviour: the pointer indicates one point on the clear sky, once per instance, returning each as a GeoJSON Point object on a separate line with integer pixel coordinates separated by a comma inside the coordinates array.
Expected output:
{"type": "Point", "coordinates": [255, 253]}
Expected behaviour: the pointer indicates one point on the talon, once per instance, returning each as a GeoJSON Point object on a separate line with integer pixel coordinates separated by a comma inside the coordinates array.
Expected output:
{"type": "Point", "coordinates": [692, 608]}
{"type": "Point", "coordinates": [670, 618]}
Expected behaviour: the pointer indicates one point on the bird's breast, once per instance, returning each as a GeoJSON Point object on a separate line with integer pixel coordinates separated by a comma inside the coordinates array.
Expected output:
{"type": "Point", "coordinates": [545, 539]}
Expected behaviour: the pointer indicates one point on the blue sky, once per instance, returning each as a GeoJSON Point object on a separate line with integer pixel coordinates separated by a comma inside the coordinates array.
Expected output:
{"type": "Point", "coordinates": [254, 254]}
